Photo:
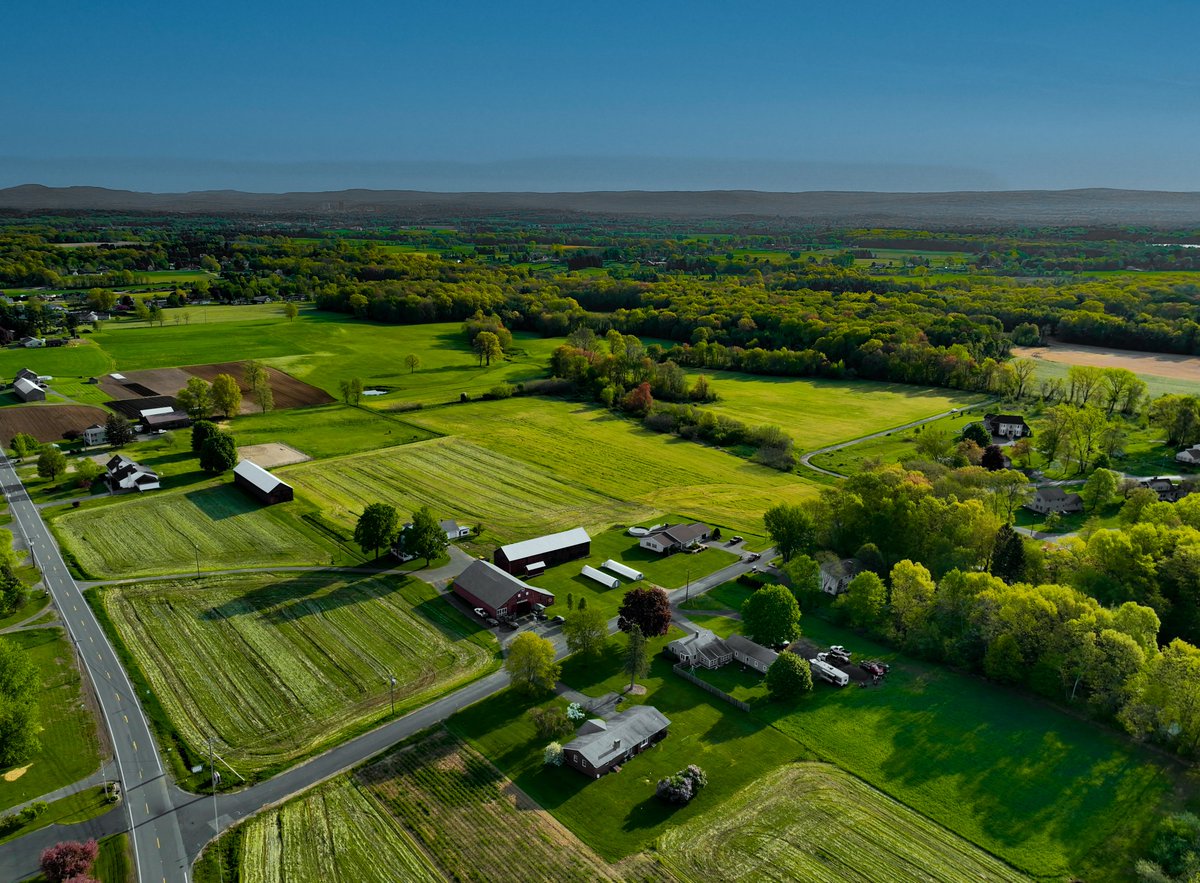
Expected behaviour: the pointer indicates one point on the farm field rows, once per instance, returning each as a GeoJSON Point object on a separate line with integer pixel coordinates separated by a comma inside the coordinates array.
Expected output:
{"type": "Point", "coordinates": [816, 823]}
{"type": "Point", "coordinates": [588, 448]}
{"type": "Point", "coordinates": [213, 528]}
{"type": "Point", "coordinates": [277, 666]}
{"type": "Point", "coordinates": [68, 735]}
{"type": "Point", "coordinates": [818, 412]}
{"type": "Point", "coordinates": [1164, 373]}
{"type": "Point", "coordinates": [47, 423]}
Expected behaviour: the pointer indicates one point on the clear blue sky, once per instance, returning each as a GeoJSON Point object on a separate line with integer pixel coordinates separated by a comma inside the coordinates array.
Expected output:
{"type": "Point", "coordinates": [656, 95]}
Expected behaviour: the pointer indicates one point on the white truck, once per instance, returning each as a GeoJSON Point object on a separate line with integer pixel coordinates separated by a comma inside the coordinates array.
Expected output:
{"type": "Point", "coordinates": [827, 672]}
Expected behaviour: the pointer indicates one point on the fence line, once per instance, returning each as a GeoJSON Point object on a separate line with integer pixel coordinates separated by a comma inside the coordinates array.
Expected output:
{"type": "Point", "coordinates": [705, 685]}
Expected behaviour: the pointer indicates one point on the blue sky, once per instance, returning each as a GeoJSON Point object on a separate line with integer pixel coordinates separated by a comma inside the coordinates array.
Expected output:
{"type": "Point", "coordinates": [653, 95]}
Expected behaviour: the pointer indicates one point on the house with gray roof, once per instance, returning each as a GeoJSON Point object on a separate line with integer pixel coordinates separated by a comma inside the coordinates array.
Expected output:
{"type": "Point", "coordinates": [674, 538]}
{"type": "Point", "coordinates": [1053, 498]}
{"type": "Point", "coordinates": [750, 654]}
{"type": "Point", "coordinates": [602, 745]}
{"type": "Point", "coordinates": [702, 648]}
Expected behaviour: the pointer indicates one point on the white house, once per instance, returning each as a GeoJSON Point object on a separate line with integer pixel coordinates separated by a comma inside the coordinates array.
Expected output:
{"type": "Point", "coordinates": [674, 538]}
{"type": "Point", "coordinates": [836, 575]}
{"type": "Point", "coordinates": [453, 530]}
{"type": "Point", "coordinates": [1191, 455]}
{"type": "Point", "coordinates": [126, 475]}
{"type": "Point", "coordinates": [1008, 426]}
{"type": "Point", "coordinates": [95, 435]}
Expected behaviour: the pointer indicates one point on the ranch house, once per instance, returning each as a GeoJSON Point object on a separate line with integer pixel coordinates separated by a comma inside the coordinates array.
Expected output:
{"type": "Point", "coordinates": [261, 484]}
{"type": "Point", "coordinates": [531, 557]}
{"type": "Point", "coordinates": [750, 654]}
{"type": "Point", "coordinates": [600, 746]}
{"type": "Point", "coordinates": [1010, 426]}
{"type": "Point", "coordinates": [1054, 499]}
{"type": "Point", "coordinates": [703, 649]}
{"type": "Point", "coordinates": [95, 435]}
{"type": "Point", "coordinates": [125, 475]}
{"type": "Point", "coordinates": [670, 539]}
{"type": "Point", "coordinates": [497, 593]}
{"type": "Point", "coordinates": [28, 390]}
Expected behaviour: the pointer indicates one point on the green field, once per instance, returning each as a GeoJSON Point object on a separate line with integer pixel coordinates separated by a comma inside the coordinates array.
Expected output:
{"type": "Point", "coordinates": [640, 474]}
{"type": "Point", "coordinates": [69, 743]}
{"type": "Point", "coordinates": [820, 412]}
{"type": "Point", "coordinates": [276, 667]}
{"type": "Point", "coordinates": [815, 823]}
{"type": "Point", "coordinates": [669, 572]}
{"type": "Point", "coordinates": [166, 532]}
{"type": "Point", "coordinates": [1155, 384]}
{"type": "Point", "coordinates": [894, 447]}
{"type": "Point", "coordinates": [326, 430]}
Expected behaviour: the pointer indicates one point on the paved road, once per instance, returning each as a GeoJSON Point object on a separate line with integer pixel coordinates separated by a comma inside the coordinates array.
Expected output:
{"type": "Point", "coordinates": [158, 843]}
{"type": "Point", "coordinates": [805, 458]}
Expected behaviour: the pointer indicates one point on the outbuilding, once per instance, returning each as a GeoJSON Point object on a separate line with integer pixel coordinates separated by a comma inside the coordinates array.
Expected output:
{"type": "Point", "coordinates": [497, 593]}
{"type": "Point", "coordinates": [28, 390]}
{"type": "Point", "coordinates": [605, 579]}
{"type": "Point", "coordinates": [261, 484]}
{"type": "Point", "coordinates": [621, 570]}
{"type": "Point", "coordinates": [531, 557]}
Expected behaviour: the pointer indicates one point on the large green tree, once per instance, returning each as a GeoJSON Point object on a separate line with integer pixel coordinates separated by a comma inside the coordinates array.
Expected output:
{"type": "Point", "coordinates": [487, 347]}
{"type": "Point", "coordinates": [586, 631]}
{"type": "Point", "coordinates": [791, 528]}
{"type": "Point", "coordinates": [637, 656]}
{"type": "Point", "coordinates": [118, 430]}
{"type": "Point", "coordinates": [51, 463]}
{"type": "Point", "coordinates": [19, 685]}
{"type": "Point", "coordinates": [864, 600]}
{"type": "Point", "coordinates": [426, 537]}
{"type": "Point", "coordinates": [789, 676]}
{"type": "Point", "coordinates": [376, 527]}
{"type": "Point", "coordinates": [226, 395]}
{"type": "Point", "coordinates": [219, 453]}
{"type": "Point", "coordinates": [196, 398]}
{"type": "Point", "coordinates": [771, 616]}
{"type": "Point", "coordinates": [530, 664]}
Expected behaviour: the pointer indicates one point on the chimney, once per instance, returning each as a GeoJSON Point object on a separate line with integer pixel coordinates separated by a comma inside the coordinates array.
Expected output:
{"type": "Point", "coordinates": [616, 743]}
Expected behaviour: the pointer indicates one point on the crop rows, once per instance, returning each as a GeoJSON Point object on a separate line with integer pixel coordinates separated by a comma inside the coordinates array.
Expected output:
{"type": "Point", "coordinates": [333, 834]}
{"type": "Point", "coordinates": [459, 479]}
{"type": "Point", "coordinates": [478, 826]}
{"type": "Point", "coordinates": [273, 667]}
{"type": "Point", "coordinates": [814, 822]}
{"type": "Point", "coordinates": [166, 533]}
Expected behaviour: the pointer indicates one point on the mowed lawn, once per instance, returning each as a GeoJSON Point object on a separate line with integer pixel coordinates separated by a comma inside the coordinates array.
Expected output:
{"type": "Point", "coordinates": [278, 666]}
{"type": "Point", "coordinates": [814, 822]}
{"type": "Point", "coordinates": [588, 448]}
{"type": "Point", "coordinates": [819, 412]}
{"type": "Point", "coordinates": [69, 742]}
{"type": "Point", "coordinates": [325, 430]}
{"type": "Point", "coordinates": [895, 447]}
{"type": "Point", "coordinates": [213, 528]}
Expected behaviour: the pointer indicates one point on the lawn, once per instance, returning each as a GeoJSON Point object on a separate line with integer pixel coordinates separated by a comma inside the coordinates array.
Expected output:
{"type": "Point", "coordinates": [34, 601]}
{"type": "Point", "coordinates": [818, 412]}
{"type": "Point", "coordinates": [80, 807]}
{"type": "Point", "coordinates": [670, 572]}
{"type": "Point", "coordinates": [1053, 795]}
{"type": "Point", "coordinates": [213, 528]}
{"type": "Point", "coordinates": [277, 667]}
{"type": "Point", "coordinates": [618, 815]}
{"type": "Point", "coordinates": [894, 447]}
{"type": "Point", "coordinates": [69, 747]}
{"type": "Point", "coordinates": [632, 469]}
{"type": "Point", "coordinates": [813, 822]}
{"type": "Point", "coordinates": [83, 359]}
{"type": "Point", "coordinates": [727, 596]}
{"type": "Point", "coordinates": [114, 864]}
{"type": "Point", "coordinates": [326, 430]}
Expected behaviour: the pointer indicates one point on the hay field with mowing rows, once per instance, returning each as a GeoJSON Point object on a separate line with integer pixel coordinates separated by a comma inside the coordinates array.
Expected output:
{"type": "Point", "coordinates": [154, 534]}
{"type": "Point", "coordinates": [814, 822]}
{"type": "Point", "coordinates": [277, 666]}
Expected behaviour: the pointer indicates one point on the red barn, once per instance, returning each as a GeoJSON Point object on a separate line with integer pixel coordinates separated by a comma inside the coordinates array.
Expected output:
{"type": "Point", "coordinates": [531, 557]}
{"type": "Point", "coordinates": [498, 594]}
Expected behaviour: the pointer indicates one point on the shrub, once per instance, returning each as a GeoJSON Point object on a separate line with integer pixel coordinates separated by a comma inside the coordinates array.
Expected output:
{"type": "Point", "coordinates": [553, 755]}
{"type": "Point", "coordinates": [788, 677]}
{"type": "Point", "coordinates": [500, 391]}
{"type": "Point", "coordinates": [682, 787]}
{"type": "Point", "coordinates": [550, 723]}
{"type": "Point", "coordinates": [575, 712]}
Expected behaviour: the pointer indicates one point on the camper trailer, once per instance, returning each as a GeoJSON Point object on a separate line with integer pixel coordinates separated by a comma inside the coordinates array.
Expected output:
{"type": "Point", "coordinates": [827, 672]}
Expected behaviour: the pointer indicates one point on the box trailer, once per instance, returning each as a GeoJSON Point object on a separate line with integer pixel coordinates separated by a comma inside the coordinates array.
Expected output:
{"type": "Point", "coordinates": [621, 570]}
{"type": "Point", "coordinates": [607, 580]}
{"type": "Point", "coordinates": [830, 673]}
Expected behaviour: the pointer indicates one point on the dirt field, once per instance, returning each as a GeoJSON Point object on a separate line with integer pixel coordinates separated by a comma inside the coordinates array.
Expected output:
{"type": "Point", "coordinates": [1159, 364]}
{"type": "Point", "coordinates": [289, 392]}
{"type": "Point", "coordinates": [163, 381]}
{"type": "Point", "coordinates": [47, 423]}
{"type": "Point", "coordinates": [272, 454]}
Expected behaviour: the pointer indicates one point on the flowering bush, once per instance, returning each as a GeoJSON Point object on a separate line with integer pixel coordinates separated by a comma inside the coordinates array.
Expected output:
{"type": "Point", "coordinates": [553, 755]}
{"type": "Point", "coordinates": [575, 712]}
{"type": "Point", "coordinates": [683, 786]}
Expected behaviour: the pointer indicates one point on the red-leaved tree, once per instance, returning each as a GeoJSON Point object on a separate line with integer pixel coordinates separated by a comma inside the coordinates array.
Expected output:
{"type": "Point", "coordinates": [649, 609]}
{"type": "Point", "coordinates": [638, 400]}
{"type": "Point", "coordinates": [69, 861]}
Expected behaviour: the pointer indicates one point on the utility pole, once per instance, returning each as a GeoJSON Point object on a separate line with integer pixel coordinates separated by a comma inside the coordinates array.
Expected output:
{"type": "Point", "coordinates": [392, 687]}
{"type": "Point", "coordinates": [687, 592]}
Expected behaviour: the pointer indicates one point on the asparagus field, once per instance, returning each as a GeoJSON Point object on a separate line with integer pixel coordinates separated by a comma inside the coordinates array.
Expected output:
{"type": "Point", "coordinates": [813, 822]}
{"type": "Point", "coordinates": [276, 667]}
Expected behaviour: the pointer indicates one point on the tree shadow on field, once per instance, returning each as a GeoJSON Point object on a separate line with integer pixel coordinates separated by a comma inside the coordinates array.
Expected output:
{"type": "Point", "coordinates": [219, 503]}
{"type": "Point", "coordinates": [292, 597]}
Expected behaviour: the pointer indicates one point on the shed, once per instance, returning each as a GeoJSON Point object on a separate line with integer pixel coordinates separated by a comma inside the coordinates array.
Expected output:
{"type": "Point", "coordinates": [261, 484]}
{"type": "Point", "coordinates": [28, 391]}
{"type": "Point", "coordinates": [606, 580]}
{"type": "Point", "coordinates": [500, 594]}
{"type": "Point", "coordinates": [517, 558]}
{"type": "Point", "coordinates": [621, 570]}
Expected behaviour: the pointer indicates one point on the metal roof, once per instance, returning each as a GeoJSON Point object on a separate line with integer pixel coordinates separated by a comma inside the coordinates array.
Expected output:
{"type": "Point", "coordinates": [620, 733]}
{"type": "Point", "coordinates": [542, 545]}
{"type": "Point", "coordinates": [257, 476]}
{"type": "Point", "coordinates": [493, 586]}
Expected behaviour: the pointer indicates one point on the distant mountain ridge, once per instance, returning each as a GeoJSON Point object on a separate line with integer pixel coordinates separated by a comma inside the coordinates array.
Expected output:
{"type": "Point", "coordinates": [1093, 207]}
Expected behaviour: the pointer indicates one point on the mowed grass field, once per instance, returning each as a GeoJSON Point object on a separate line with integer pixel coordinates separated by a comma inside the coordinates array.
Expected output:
{"type": "Point", "coordinates": [895, 447]}
{"type": "Point", "coordinates": [818, 412]}
{"type": "Point", "coordinates": [276, 667]}
{"type": "Point", "coordinates": [69, 741]}
{"type": "Point", "coordinates": [814, 822]}
{"type": "Point", "coordinates": [641, 473]}
{"type": "Point", "coordinates": [325, 430]}
{"type": "Point", "coordinates": [213, 528]}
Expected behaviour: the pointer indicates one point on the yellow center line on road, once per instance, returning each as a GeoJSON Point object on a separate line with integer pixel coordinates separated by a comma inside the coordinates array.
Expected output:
{"type": "Point", "coordinates": [147, 809]}
{"type": "Point", "coordinates": [134, 745]}
{"type": "Point", "coordinates": [156, 843]}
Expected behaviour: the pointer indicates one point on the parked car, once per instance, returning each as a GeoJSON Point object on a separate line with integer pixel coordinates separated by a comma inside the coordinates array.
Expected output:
{"type": "Point", "coordinates": [510, 624]}
{"type": "Point", "coordinates": [558, 619]}
{"type": "Point", "coordinates": [883, 667]}
{"type": "Point", "coordinates": [753, 556]}
{"type": "Point", "coordinates": [492, 621]}
{"type": "Point", "coordinates": [873, 668]}
{"type": "Point", "coordinates": [839, 654]}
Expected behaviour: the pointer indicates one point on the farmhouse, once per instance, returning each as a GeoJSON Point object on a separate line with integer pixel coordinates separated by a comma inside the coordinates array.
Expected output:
{"type": "Point", "coordinates": [531, 557]}
{"type": "Point", "coordinates": [1008, 426]}
{"type": "Point", "coordinates": [95, 435]}
{"type": "Point", "coordinates": [702, 648]}
{"type": "Point", "coordinates": [836, 575]}
{"type": "Point", "coordinates": [126, 475]}
{"type": "Point", "coordinates": [1190, 455]}
{"type": "Point", "coordinates": [600, 745]}
{"type": "Point", "coordinates": [28, 390]}
{"type": "Point", "coordinates": [1054, 499]}
{"type": "Point", "coordinates": [750, 654]}
{"type": "Point", "coordinates": [1168, 491]}
{"type": "Point", "coordinates": [261, 484]}
{"type": "Point", "coordinates": [498, 593]}
{"type": "Point", "coordinates": [669, 539]}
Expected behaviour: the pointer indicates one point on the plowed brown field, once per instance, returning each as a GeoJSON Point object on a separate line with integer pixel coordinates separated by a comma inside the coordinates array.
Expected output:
{"type": "Point", "coordinates": [47, 423]}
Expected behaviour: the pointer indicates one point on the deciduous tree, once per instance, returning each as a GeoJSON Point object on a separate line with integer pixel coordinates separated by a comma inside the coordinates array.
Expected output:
{"type": "Point", "coordinates": [412, 362]}
{"type": "Point", "coordinates": [68, 861]}
{"type": "Point", "coordinates": [118, 430]}
{"type": "Point", "coordinates": [771, 616]}
{"type": "Point", "coordinates": [376, 527]}
{"type": "Point", "coordinates": [51, 462]}
{"type": "Point", "coordinates": [196, 398]}
{"type": "Point", "coordinates": [219, 453]}
{"type": "Point", "coordinates": [226, 395]}
{"type": "Point", "coordinates": [586, 630]}
{"type": "Point", "coordinates": [789, 676]}
{"type": "Point", "coordinates": [791, 528]}
{"type": "Point", "coordinates": [24, 444]}
{"type": "Point", "coordinates": [426, 536]}
{"type": "Point", "coordinates": [487, 347]}
{"type": "Point", "coordinates": [530, 664]}
{"type": "Point", "coordinates": [19, 686]}
{"type": "Point", "coordinates": [864, 600]}
{"type": "Point", "coordinates": [202, 431]}
{"type": "Point", "coordinates": [648, 609]}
